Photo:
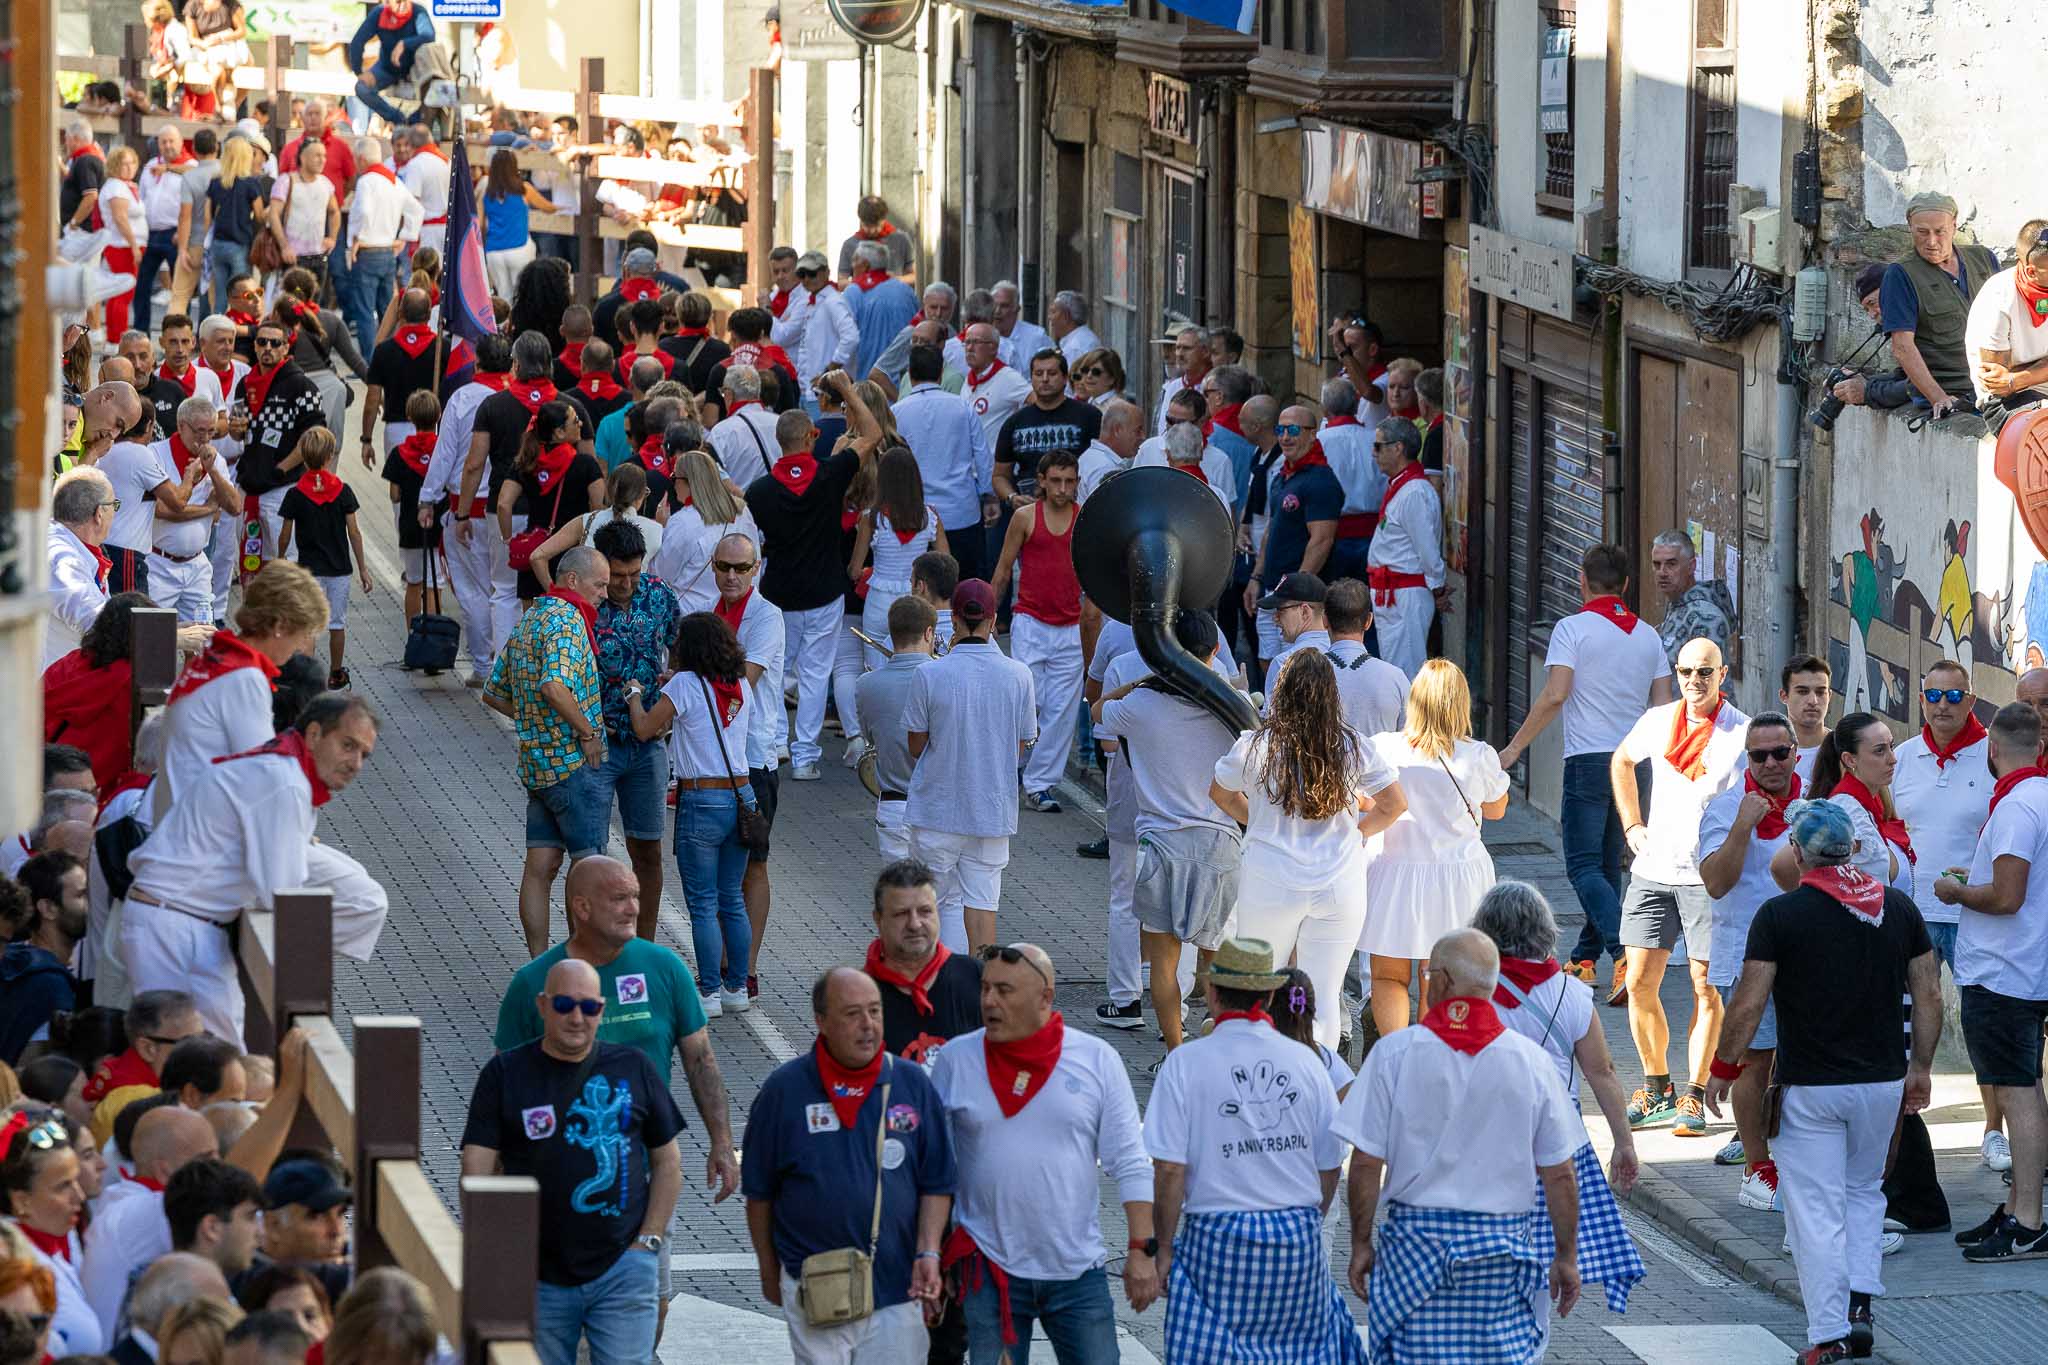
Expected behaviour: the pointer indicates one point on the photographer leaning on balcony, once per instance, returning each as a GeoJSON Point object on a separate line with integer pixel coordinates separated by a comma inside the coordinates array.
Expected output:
{"type": "Point", "coordinates": [2007, 334]}
{"type": "Point", "coordinates": [1924, 303]}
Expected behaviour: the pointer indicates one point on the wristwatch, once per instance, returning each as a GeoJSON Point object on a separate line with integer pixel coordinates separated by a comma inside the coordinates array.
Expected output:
{"type": "Point", "coordinates": [1150, 1246]}
{"type": "Point", "coordinates": [648, 1241]}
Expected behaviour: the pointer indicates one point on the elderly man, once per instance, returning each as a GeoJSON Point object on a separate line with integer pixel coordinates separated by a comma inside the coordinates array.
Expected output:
{"type": "Point", "coordinates": [1027, 1239]}
{"type": "Point", "coordinates": [170, 1282]}
{"type": "Point", "coordinates": [1245, 1158]}
{"type": "Point", "coordinates": [82, 507]}
{"type": "Point", "coordinates": [1303, 506]}
{"type": "Point", "coordinates": [1348, 445]}
{"type": "Point", "coordinates": [167, 214]}
{"type": "Point", "coordinates": [180, 573]}
{"type": "Point", "coordinates": [1226, 389]}
{"type": "Point", "coordinates": [85, 170]}
{"type": "Point", "coordinates": [537, 1111]}
{"type": "Point", "coordinates": [1692, 610]}
{"type": "Point", "coordinates": [1925, 303]}
{"type": "Point", "coordinates": [939, 300]}
{"type": "Point", "coordinates": [881, 305]}
{"type": "Point", "coordinates": [994, 388]}
{"type": "Point", "coordinates": [1115, 449]}
{"type": "Point", "coordinates": [1021, 339]}
{"type": "Point", "coordinates": [1066, 322]}
{"type": "Point", "coordinates": [1190, 363]}
{"type": "Point", "coordinates": [1459, 1133]}
{"type": "Point", "coordinates": [816, 329]}
{"type": "Point", "coordinates": [744, 439]}
{"type": "Point", "coordinates": [848, 1147]}
{"type": "Point", "coordinates": [1835, 956]}
{"type": "Point", "coordinates": [423, 168]}
{"type": "Point", "coordinates": [953, 452]}
{"type": "Point", "coordinates": [1405, 566]}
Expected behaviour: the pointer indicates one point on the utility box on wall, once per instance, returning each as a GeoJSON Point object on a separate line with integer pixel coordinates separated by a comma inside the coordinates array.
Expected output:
{"type": "Point", "coordinates": [1758, 240]}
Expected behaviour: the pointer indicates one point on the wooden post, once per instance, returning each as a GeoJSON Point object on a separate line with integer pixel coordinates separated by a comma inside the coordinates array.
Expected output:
{"type": "Point", "coordinates": [134, 67]}
{"type": "Point", "coordinates": [590, 127]}
{"type": "Point", "coordinates": [277, 59]}
{"type": "Point", "coordinates": [760, 176]}
{"type": "Point", "coordinates": [387, 1053]}
{"type": "Point", "coordinates": [500, 1261]}
{"type": "Point", "coordinates": [28, 238]}
{"type": "Point", "coordinates": [305, 953]}
{"type": "Point", "coordinates": [153, 659]}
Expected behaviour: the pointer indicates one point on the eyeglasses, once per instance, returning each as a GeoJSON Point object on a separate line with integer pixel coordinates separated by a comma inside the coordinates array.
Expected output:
{"type": "Point", "coordinates": [1012, 954]}
{"type": "Point", "coordinates": [565, 1004]}
{"type": "Point", "coordinates": [1951, 695]}
{"type": "Point", "coordinates": [158, 1038]}
{"type": "Point", "coordinates": [114, 503]}
{"type": "Point", "coordinates": [719, 566]}
{"type": "Point", "coordinates": [1777, 755]}
{"type": "Point", "coordinates": [1698, 671]}
{"type": "Point", "coordinates": [269, 343]}
{"type": "Point", "coordinates": [1092, 372]}
{"type": "Point", "coordinates": [1288, 429]}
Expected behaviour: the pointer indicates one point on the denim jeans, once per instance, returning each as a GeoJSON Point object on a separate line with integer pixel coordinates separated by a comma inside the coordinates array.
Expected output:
{"type": "Point", "coordinates": [366, 291]}
{"type": "Point", "coordinates": [226, 259]}
{"type": "Point", "coordinates": [635, 772]}
{"type": "Point", "coordinates": [711, 861]}
{"type": "Point", "coordinates": [161, 251]}
{"type": "Point", "coordinates": [1076, 1315]}
{"type": "Point", "coordinates": [1592, 853]}
{"type": "Point", "coordinates": [616, 1311]}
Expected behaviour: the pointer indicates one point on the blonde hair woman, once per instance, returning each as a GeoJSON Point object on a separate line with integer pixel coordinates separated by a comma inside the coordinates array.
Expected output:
{"type": "Point", "coordinates": [708, 512]}
{"type": "Point", "coordinates": [1431, 868]}
{"type": "Point", "coordinates": [196, 1333]}
{"type": "Point", "coordinates": [121, 210]}
{"type": "Point", "coordinates": [384, 1319]}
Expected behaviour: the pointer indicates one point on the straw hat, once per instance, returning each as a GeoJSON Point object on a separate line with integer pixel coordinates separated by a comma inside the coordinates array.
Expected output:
{"type": "Point", "coordinates": [1245, 964]}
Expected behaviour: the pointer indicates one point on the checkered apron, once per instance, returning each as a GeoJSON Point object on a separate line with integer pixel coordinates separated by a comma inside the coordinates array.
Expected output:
{"type": "Point", "coordinates": [1254, 1288]}
{"type": "Point", "coordinates": [1607, 1254]}
{"type": "Point", "coordinates": [1448, 1285]}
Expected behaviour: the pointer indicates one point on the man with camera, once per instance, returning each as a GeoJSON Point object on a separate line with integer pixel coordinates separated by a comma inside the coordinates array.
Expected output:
{"type": "Point", "coordinates": [1923, 305]}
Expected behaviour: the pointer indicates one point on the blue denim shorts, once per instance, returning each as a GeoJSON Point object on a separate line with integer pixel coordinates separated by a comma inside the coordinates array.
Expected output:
{"type": "Point", "coordinates": [1943, 937]}
{"type": "Point", "coordinates": [1766, 1036]}
{"type": "Point", "coordinates": [573, 814]}
{"type": "Point", "coordinates": [636, 771]}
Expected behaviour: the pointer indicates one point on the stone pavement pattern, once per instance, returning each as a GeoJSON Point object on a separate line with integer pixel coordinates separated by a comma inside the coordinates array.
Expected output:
{"type": "Point", "coordinates": [437, 816]}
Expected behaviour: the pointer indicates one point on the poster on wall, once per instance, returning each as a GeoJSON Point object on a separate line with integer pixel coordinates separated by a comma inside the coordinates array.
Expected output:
{"type": "Point", "coordinates": [1363, 177]}
{"type": "Point", "coordinates": [1457, 406]}
{"type": "Point", "coordinates": [1302, 271]}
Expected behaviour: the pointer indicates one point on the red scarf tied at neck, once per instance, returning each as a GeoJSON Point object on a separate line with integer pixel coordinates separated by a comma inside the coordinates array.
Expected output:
{"type": "Point", "coordinates": [414, 338]}
{"type": "Point", "coordinates": [600, 387]}
{"type": "Point", "coordinates": [654, 454]}
{"type": "Point", "coordinates": [635, 290]}
{"type": "Point", "coordinates": [1772, 826]}
{"type": "Point", "coordinates": [1310, 458]}
{"type": "Point", "coordinates": [1892, 830]}
{"type": "Point", "coordinates": [554, 462]}
{"type": "Point", "coordinates": [1195, 470]}
{"type": "Point", "coordinates": [382, 170]}
{"type": "Point", "coordinates": [846, 1087]}
{"type": "Point", "coordinates": [1612, 610]}
{"type": "Point", "coordinates": [1405, 475]}
{"type": "Point", "coordinates": [417, 450]}
{"type": "Point", "coordinates": [1255, 1015]}
{"type": "Point", "coordinates": [2011, 780]}
{"type": "Point", "coordinates": [391, 17]}
{"type": "Point", "coordinates": [56, 1246]}
{"type": "Point", "coordinates": [1527, 974]}
{"type": "Point", "coordinates": [181, 455]}
{"type": "Point", "coordinates": [321, 486]}
{"type": "Point", "coordinates": [1467, 1025]}
{"type": "Point", "coordinates": [291, 744]}
{"type": "Point", "coordinates": [1687, 749]}
{"type": "Point", "coordinates": [725, 699]}
{"type": "Point", "coordinates": [868, 279]}
{"type": "Point", "coordinates": [2033, 295]}
{"type": "Point", "coordinates": [795, 472]}
{"type": "Point", "coordinates": [1945, 754]}
{"type": "Point", "coordinates": [223, 654]}
{"type": "Point", "coordinates": [533, 394]}
{"type": "Point", "coordinates": [975, 381]}
{"type": "Point", "coordinates": [571, 356]}
{"type": "Point", "coordinates": [1858, 892]}
{"type": "Point", "coordinates": [732, 612]}
{"type": "Point", "coordinates": [919, 986]}
{"type": "Point", "coordinates": [102, 566]}
{"type": "Point", "coordinates": [185, 381]}
{"type": "Point", "coordinates": [256, 384]}
{"type": "Point", "coordinates": [1019, 1069]}
{"type": "Point", "coordinates": [584, 609]}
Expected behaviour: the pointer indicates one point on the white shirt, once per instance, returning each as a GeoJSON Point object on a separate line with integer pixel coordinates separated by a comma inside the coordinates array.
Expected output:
{"type": "Point", "coordinates": [2000, 320]}
{"type": "Point", "coordinates": [1170, 748]}
{"type": "Point", "coordinates": [763, 641]}
{"type": "Point", "coordinates": [1734, 912]}
{"type": "Point", "coordinates": [745, 443]}
{"type": "Point", "coordinates": [228, 715]}
{"type": "Point", "coordinates": [1027, 339]}
{"type": "Point", "coordinates": [458, 427]}
{"type": "Point", "coordinates": [2008, 954]}
{"type": "Point", "coordinates": [1875, 856]}
{"type": "Point", "coordinates": [1410, 536]}
{"type": "Point", "coordinates": [1459, 1132]}
{"type": "Point", "coordinates": [1348, 447]}
{"type": "Point", "coordinates": [180, 537]}
{"type": "Point", "coordinates": [426, 175]}
{"type": "Point", "coordinates": [995, 399]}
{"type": "Point", "coordinates": [1944, 807]}
{"type": "Point", "coordinates": [1098, 462]}
{"type": "Point", "coordinates": [954, 451]}
{"type": "Point", "coordinates": [1216, 470]}
{"type": "Point", "coordinates": [74, 1328]}
{"type": "Point", "coordinates": [1439, 826]}
{"type": "Point", "coordinates": [1557, 1014]}
{"type": "Point", "coordinates": [382, 213]}
{"type": "Point", "coordinates": [111, 193]}
{"type": "Point", "coordinates": [1029, 1182]}
{"type": "Point", "coordinates": [1676, 802]}
{"type": "Point", "coordinates": [136, 472]}
{"type": "Point", "coordinates": [976, 705]}
{"type": "Point", "coordinates": [1173, 385]}
{"type": "Point", "coordinates": [162, 191]}
{"type": "Point", "coordinates": [231, 840]}
{"type": "Point", "coordinates": [304, 204]}
{"type": "Point", "coordinates": [650, 529]}
{"type": "Point", "coordinates": [1077, 343]}
{"type": "Point", "coordinates": [1612, 674]}
{"type": "Point", "coordinates": [693, 745]}
{"type": "Point", "coordinates": [76, 593]}
{"type": "Point", "coordinates": [1301, 855]}
{"type": "Point", "coordinates": [1250, 1114]}
{"type": "Point", "coordinates": [816, 329]}
{"type": "Point", "coordinates": [1373, 692]}
{"type": "Point", "coordinates": [684, 559]}
{"type": "Point", "coordinates": [125, 1237]}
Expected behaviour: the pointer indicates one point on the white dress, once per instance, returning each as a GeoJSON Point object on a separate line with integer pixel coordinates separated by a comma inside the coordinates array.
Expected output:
{"type": "Point", "coordinates": [1429, 868]}
{"type": "Point", "coordinates": [892, 558]}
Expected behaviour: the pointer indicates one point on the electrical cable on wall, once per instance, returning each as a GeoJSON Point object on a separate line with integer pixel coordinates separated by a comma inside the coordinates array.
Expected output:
{"type": "Point", "coordinates": [1740, 306]}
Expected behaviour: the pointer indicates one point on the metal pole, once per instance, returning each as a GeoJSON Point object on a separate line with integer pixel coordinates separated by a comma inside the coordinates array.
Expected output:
{"type": "Point", "coordinates": [1781, 569]}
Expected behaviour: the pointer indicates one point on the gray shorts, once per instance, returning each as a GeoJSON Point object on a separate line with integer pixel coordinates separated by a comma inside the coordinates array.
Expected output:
{"type": "Point", "coordinates": [1654, 914]}
{"type": "Point", "coordinates": [1187, 883]}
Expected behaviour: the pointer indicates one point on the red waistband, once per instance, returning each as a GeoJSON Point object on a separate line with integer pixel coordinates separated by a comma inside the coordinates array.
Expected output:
{"type": "Point", "coordinates": [1386, 582]}
{"type": "Point", "coordinates": [478, 507]}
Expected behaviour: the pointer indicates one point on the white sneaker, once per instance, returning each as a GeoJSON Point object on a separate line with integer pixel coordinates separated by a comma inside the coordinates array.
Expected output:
{"type": "Point", "coordinates": [733, 1002]}
{"type": "Point", "coordinates": [804, 772]}
{"type": "Point", "coordinates": [1996, 1152]}
{"type": "Point", "coordinates": [712, 1009]}
{"type": "Point", "coordinates": [1760, 1190]}
{"type": "Point", "coordinates": [1892, 1242]}
{"type": "Point", "coordinates": [856, 750]}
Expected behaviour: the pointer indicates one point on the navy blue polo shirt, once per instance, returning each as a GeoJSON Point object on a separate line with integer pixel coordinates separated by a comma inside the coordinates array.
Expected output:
{"type": "Point", "coordinates": [1312, 494]}
{"type": "Point", "coordinates": [820, 1174]}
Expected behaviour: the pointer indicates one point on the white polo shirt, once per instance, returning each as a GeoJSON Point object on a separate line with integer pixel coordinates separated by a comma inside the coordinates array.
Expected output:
{"type": "Point", "coordinates": [136, 472]}
{"type": "Point", "coordinates": [1676, 802]}
{"type": "Point", "coordinates": [2001, 321]}
{"type": "Point", "coordinates": [1611, 678]}
{"type": "Point", "coordinates": [2008, 954]}
{"type": "Point", "coordinates": [975, 704]}
{"type": "Point", "coordinates": [1755, 885]}
{"type": "Point", "coordinates": [180, 537]}
{"type": "Point", "coordinates": [231, 840]}
{"type": "Point", "coordinates": [1373, 693]}
{"type": "Point", "coordinates": [693, 746]}
{"type": "Point", "coordinates": [1944, 806]}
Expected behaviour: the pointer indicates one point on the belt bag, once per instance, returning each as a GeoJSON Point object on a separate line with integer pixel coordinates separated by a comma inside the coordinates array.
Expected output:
{"type": "Point", "coordinates": [838, 1286]}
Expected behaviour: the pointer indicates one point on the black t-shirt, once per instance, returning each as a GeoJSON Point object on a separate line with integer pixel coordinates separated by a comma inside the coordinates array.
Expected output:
{"type": "Point", "coordinates": [83, 175]}
{"type": "Point", "coordinates": [588, 1150]}
{"type": "Point", "coordinates": [503, 418]}
{"type": "Point", "coordinates": [1433, 445]}
{"type": "Point", "coordinates": [695, 361]}
{"type": "Point", "coordinates": [234, 208]}
{"type": "Point", "coordinates": [320, 531]}
{"type": "Point", "coordinates": [1033, 432]}
{"type": "Point", "coordinates": [557, 507]}
{"type": "Point", "coordinates": [956, 1009]}
{"type": "Point", "coordinates": [164, 395]}
{"type": "Point", "coordinates": [805, 568]}
{"type": "Point", "coordinates": [401, 375]}
{"type": "Point", "coordinates": [1838, 984]}
{"type": "Point", "coordinates": [400, 474]}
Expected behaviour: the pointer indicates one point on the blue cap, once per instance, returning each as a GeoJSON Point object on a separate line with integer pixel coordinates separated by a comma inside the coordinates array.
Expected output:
{"type": "Point", "coordinates": [1822, 831]}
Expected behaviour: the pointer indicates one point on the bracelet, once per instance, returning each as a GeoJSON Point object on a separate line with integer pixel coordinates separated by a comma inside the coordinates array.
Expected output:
{"type": "Point", "coordinates": [926, 1255]}
{"type": "Point", "coordinates": [1724, 1071]}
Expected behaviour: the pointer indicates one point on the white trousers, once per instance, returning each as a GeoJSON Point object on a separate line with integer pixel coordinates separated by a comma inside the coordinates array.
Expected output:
{"type": "Point", "coordinates": [1126, 957]}
{"type": "Point", "coordinates": [813, 643]}
{"type": "Point", "coordinates": [224, 551]}
{"type": "Point", "coordinates": [1316, 930]}
{"type": "Point", "coordinates": [847, 657]}
{"type": "Point", "coordinates": [1053, 654]}
{"type": "Point", "coordinates": [1404, 628]}
{"type": "Point", "coordinates": [892, 836]}
{"type": "Point", "coordinates": [164, 950]}
{"type": "Point", "coordinates": [890, 1336]}
{"type": "Point", "coordinates": [360, 904]}
{"type": "Point", "coordinates": [503, 267]}
{"type": "Point", "coordinates": [271, 508]}
{"type": "Point", "coordinates": [504, 580]}
{"type": "Point", "coordinates": [187, 586]}
{"type": "Point", "coordinates": [469, 578]}
{"type": "Point", "coordinates": [1830, 1151]}
{"type": "Point", "coordinates": [969, 869]}
{"type": "Point", "coordinates": [874, 619]}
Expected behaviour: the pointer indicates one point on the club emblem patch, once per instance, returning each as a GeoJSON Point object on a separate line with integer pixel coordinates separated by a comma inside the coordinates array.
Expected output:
{"type": "Point", "coordinates": [632, 989]}
{"type": "Point", "coordinates": [540, 1122]}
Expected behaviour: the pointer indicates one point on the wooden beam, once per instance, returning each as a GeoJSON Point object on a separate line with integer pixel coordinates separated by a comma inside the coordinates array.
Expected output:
{"type": "Point", "coordinates": [277, 62]}
{"type": "Point", "coordinates": [27, 183]}
{"type": "Point", "coordinates": [760, 177]}
{"type": "Point", "coordinates": [331, 1084]}
{"type": "Point", "coordinates": [500, 1261]}
{"type": "Point", "coordinates": [134, 67]}
{"type": "Point", "coordinates": [424, 1241]}
{"type": "Point", "coordinates": [590, 126]}
{"type": "Point", "coordinates": [291, 81]}
{"type": "Point", "coordinates": [255, 959]}
{"type": "Point", "coordinates": [100, 67]}
{"type": "Point", "coordinates": [654, 170]}
{"type": "Point", "coordinates": [653, 109]}
{"type": "Point", "coordinates": [305, 953]}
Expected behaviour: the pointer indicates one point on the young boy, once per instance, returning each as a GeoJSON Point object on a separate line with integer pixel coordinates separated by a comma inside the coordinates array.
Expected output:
{"type": "Point", "coordinates": [933, 577]}
{"type": "Point", "coordinates": [319, 512]}
{"type": "Point", "coordinates": [405, 469]}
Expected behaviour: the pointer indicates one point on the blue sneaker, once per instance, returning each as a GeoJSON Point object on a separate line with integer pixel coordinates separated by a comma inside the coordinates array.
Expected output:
{"type": "Point", "coordinates": [1042, 802]}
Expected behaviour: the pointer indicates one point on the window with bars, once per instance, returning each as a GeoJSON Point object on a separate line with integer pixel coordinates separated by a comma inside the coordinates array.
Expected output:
{"type": "Point", "coordinates": [1711, 172]}
{"type": "Point", "coordinates": [1556, 55]}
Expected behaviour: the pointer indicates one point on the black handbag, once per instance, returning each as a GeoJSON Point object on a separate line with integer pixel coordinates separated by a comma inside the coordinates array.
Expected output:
{"type": "Point", "coordinates": [432, 640]}
{"type": "Point", "coordinates": [750, 826]}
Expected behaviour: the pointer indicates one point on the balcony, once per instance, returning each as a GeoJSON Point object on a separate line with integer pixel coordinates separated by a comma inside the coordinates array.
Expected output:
{"type": "Point", "coordinates": [1359, 59]}
{"type": "Point", "coordinates": [1161, 39]}
{"type": "Point", "coordinates": [1083, 23]}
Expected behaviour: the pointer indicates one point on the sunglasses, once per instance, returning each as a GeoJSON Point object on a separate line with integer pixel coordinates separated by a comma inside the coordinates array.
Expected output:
{"type": "Point", "coordinates": [1777, 755]}
{"type": "Point", "coordinates": [269, 343]}
{"type": "Point", "coordinates": [564, 1004]}
{"type": "Point", "coordinates": [1288, 429]}
{"type": "Point", "coordinates": [721, 567]}
{"type": "Point", "coordinates": [47, 1135]}
{"type": "Point", "coordinates": [1698, 671]}
{"type": "Point", "coordinates": [1012, 954]}
{"type": "Point", "coordinates": [1382, 445]}
{"type": "Point", "coordinates": [1951, 695]}
{"type": "Point", "coordinates": [1092, 372]}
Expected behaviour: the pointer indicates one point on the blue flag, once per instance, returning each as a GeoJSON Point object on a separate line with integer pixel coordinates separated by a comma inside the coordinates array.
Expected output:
{"type": "Point", "coordinates": [1235, 14]}
{"type": "Point", "coordinates": [466, 290]}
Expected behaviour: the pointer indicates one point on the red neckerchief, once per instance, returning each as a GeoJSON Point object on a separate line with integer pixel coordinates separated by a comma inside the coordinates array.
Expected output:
{"type": "Point", "coordinates": [1527, 974]}
{"type": "Point", "coordinates": [156, 1186]}
{"type": "Point", "coordinates": [961, 1252]}
{"type": "Point", "coordinates": [256, 384]}
{"type": "Point", "coordinates": [919, 986]}
{"type": "Point", "coordinates": [1613, 610]}
{"type": "Point", "coordinates": [126, 782]}
{"type": "Point", "coordinates": [417, 450]}
{"type": "Point", "coordinates": [290, 744]}
{"type": "Point", "coordinates": [1687, 748]}
{"type": "Point", "coordinates": [635, 290]}
{"type": "Point", "coordinates": [1255, 1015]}
{"type": "Point", "coordinates": [731, 612]}
{"type": "Point", "coordinates": [1893, 831]}
{"type": "Point", "coordinates": [180, 164]}
{"type": "Point", "coordinates": [431, 149]}
{"type": "Point", "coordinates": [89, 149]}
{"type": "Point", "coordinates": [654, 455]}
{"type": "Point", "coordinates": [123, 1070]}
{"type": "Point", "coordinates": [500, 382]}
{"type": "Point", "coordinates": [845, 1086]}
{"type": "Point", "coordinates": [185, 381]}
{"type": "Point", "coordinates": [1972, 731]}
{"type": "Point", "coordinates": [1310, 458]}
{"type": "Point", "coordinates": [1195, 470]}
{"type": "Point", "coordinates": [2034, 296]}
{"type": "Point", "coordinates": [571, 356]}
{"type": "Point", "coordinates": [600, 387]}
{"type": "Point", "coordinates": [392, 17]}
{"type": "Point", "coordinates": [1329, 422]}
{"type": "Point", "coordinates": [742, 405]}
{"type": "Point", "coordinates": [321, 486]}
{"type": "Point", "coordinates": [778, 301]}
{"type": "Point", "coordinates": [668, 363]}
{"type": "Point", "coordinates": [241, 319]}
{"type": "Point", "coordinates": [224, 373]}
{"type": "Point", "coordinates": [381, 169]}
{"type": "Point", "coordinates": [1018, 1070]}
{"type": "Point", "coordinates": [1411, 412]}
{"type": "Point", "coordinates": [905, 537]}
{"type": "Point", "coordinates": [180, 456]}
{"type": "Point", "coordinates": [57, 1247]}
{"type": "Point", "coordinates": [692, 333]}
{"type": "Point", "coordinates": [795, 472]}
{"type": "Point", "coordinates": [1466, 1024]}
{"type": "Point", "coordinates": [1861, 894]}
{"type": "Point", "coordinates": [975, 381]}
{"type": "Point", "coordinates": [414, 338]}
{"type": "Point", "coordinates": [224, 653]}
{"type": "Point", "coordinates": [532, 393]}
{"type": "Point", "coordinates": [887, 229]}
{"type": "Point", "coordinates": [725, 696]}
{"type": "Point", "coordinates": [554, 462]}
{"type": "Point", "coordinates": [1225, 417]}
{"type": "Point", "coordinates": [584, 609]}
{"type": "Point", "coordinates": [1772, 825]}
{"type": "Point", "coordinates": [2013, 779]}
{"type": "Point", "coordinates": [1407, 474]}
{"type": "Point", "coordinates": [868, 279]}
{"type": "Point", "coordinates": [106, 565]}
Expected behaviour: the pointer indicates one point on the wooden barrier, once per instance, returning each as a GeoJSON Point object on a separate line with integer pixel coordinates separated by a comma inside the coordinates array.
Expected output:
{"type": "Point", "coordinates": [482, 1275]}
{"type": "Point", "coordinates": [152, 661]}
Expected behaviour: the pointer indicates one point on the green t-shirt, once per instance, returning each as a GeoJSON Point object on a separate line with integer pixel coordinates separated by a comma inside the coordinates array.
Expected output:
{"type": "Point", "coordinates": [650, 1001]}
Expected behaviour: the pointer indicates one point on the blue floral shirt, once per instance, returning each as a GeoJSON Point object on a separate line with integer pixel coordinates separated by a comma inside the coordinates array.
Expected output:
{"type": "Point", "coordinates": [633, 642]}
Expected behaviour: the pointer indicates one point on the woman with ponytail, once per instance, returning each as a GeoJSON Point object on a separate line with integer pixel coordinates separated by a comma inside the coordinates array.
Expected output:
{"type": "Point", "coordinates": [321, 339]}
{"type": "Point", "coordinates": [624, 492]}
{"type": "Point", "coordinates": [1854, 770]}
{"type": "Point", "coordinates": [552, 481]}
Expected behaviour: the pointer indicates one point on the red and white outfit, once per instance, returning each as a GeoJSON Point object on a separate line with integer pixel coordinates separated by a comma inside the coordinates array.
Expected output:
{"type": "Point", "coordinates": [224, 548]}
{"type": "Point", "coordinates": [1347, 445]}
{"type": "Point", "coordinates": [1944, 796]}
{"type": "Point", "coordinates": [744, 441]}
{"type": "Point", "coordinates": [180, 573]}
{"type": "Point", "coordinates": [1406, 566]}
{"type": "Point", "coordinates": [1615, 658]}
{"type": "Point", "coordinates": [469, 561]}
{"type": "Point", "coordinates": [891, 552]}
{"type": "Point", "coordinates": [425, 173]}
{"type": "Point", "coordinates": [816, 328]}
{"type": "Point", "coordinates": [78, 589]}
{"type": "Point", "coordinates": [1045, 636]}
{"type": "Point", "coordinates": [995, 394]}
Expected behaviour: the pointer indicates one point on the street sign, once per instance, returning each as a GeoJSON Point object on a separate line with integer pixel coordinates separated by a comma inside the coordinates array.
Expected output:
{"type": "Point", "coordinates": [877, 22]}
{"type": "Point", "coordinates": [468, 11]}
{"type": "Point", "coordinates": [1169, 108]}
{"type": "Point", "coordinates": [1529, 273]}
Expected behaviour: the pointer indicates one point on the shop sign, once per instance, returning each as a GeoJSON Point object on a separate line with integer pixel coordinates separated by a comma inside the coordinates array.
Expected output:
{"type": "Point", "coordinates": [1362, 177]}
{"type": "Point", "coordinates": [812, 33]}
{"type": "Point", "coordinates": [1554, 82]}
{"type": "Point", "coordinates": [1519, 271]}
{"type": "Point", "coordinates": [876, 22]}
{"type": "Point", "coordinates": [1169, 108]}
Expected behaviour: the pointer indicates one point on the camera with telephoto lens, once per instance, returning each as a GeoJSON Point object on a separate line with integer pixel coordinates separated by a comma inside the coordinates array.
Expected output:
{"type": "Point", "coordinates": [1831, 407]}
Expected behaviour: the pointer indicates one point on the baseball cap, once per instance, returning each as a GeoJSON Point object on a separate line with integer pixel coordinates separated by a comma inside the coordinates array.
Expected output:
{"type": "Point", "coordinates": [974, 601]}
{"type": "Point", "coordinates": [1295, 587]}
{"type": "Point", "coordinates": [307, 1183]}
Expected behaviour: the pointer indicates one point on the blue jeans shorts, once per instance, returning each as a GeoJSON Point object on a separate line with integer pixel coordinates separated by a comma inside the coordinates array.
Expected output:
{"type": "Point", "coordinates": [1943, 937]}
{"type": "Point", "coordinates": [573, 814]}
{"type": "Point", "coordinates": [636, 771]}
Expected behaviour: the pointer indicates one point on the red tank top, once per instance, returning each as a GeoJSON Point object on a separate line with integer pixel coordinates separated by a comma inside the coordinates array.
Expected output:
{"type": "Point", "coordinates": [1048, 589]}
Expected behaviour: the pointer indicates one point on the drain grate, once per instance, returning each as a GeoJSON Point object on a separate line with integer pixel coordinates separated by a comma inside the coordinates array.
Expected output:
{"type": "Point", "coordinates": [1517, 850]}
{"type": "Point", "coordinates": [2002, 1329]}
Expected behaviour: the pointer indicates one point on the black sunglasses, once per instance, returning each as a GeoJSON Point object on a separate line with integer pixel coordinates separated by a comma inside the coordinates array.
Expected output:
{"type": "Point", "coordinates": [563, 1004]}
{"type": "Point", "coordinates": [1951, 695]}
{"type": "Point", "coordinates": [267, 342]}
{"type": "Point", "coordinates": [1012, 954]}
{"type": "Point", "coordinates": [721, 566]}
{"type": "Point", "coordinates": [1698, 671]}
{"type": "Point", "coordinates": [1776, 755]}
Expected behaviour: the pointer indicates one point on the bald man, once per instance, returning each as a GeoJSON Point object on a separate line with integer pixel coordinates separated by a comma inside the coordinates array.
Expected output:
{"type": "Point", "coordinates": [171, 1282]}
{"type": "Point", "coordinates": [129, 1228]}
{"type": "Point", "coordinates": [107, 411]}
{"type": "Point", "coordinates": [535, 1112]}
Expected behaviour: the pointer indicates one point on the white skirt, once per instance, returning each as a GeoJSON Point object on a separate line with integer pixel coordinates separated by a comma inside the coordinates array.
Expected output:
{"type": "Point", "coordinates": [1412, 905]}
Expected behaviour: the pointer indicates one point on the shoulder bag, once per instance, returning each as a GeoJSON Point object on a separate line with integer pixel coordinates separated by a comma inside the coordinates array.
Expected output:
{"type": "Point", "coordinates": [266, 253]}
{"type": "Point", "coordinates": [751, 827]}
{"type": "Point", "coordinates": [519, 550]}
{"type": "Point", "coordinates": [1458, 787]}
{"type": "Point", "coordinates": [431, 639]}
{"type": "Point", "coordinates": [838, 1286]}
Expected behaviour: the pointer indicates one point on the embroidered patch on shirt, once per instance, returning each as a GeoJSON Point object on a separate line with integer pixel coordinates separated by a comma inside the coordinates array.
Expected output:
{"type": "Point", "coordinates": [632, 989]}
{"type": "Point", "coordinates": [540, 1122]}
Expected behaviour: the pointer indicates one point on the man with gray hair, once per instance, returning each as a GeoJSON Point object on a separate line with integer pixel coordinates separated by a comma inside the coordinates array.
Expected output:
{"type": "Point", "coordinates": [1185, 450]}
{"type": "Point", "coordinates": [1187, 367]}
{"type": "Point", "coordinates": [81, 514]}
{"type": "Point", "coordinates": [1692, 609]}
{"type": "Point", "coordinates": [180, 574]}
{"type": "Point", "coordinates": [881, 305]}
{"type": "Point", "coordinates": [85, 170]}
{"type": "Point", "coordinates": [382, 218]}
{"type": "Point", "coordinates": [816, 328]}
{"type": "Point", "coordinates": [1113, 451]}
{"type": "Point", "coordinates": [1066, 320]}
{"type": "Point", "coordinates": [1021, 339]}
{"type": "Point", "coordinates": [940, 301]}
{"type": "Point", "coordinates": [1924, 304]}
{"type": "Point", "coordinates": [171, 1281]}
{"type": "Point", "coordinates": [1348, 446]}
{"type": "Point", "coordinates": [1835, 955]}
{"type": "Point", "coordinates": [1405, 565]}
{"type": "Point", "coordinates": [744, 439]}
{"type": "Point", "coordinates": [423, 168]}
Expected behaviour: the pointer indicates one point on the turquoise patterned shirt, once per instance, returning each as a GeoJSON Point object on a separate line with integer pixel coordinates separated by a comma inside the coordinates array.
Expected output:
{"type": "Point", "coordinates": [548, 645]}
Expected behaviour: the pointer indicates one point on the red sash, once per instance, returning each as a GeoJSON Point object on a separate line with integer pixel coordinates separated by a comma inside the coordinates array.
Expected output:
{"type": "Point", "coordinates": [1466, 1024]}
{"type": "Point", "coordinates": [1613, 610]}
{"type": "Point", "coordinates": [878, 966]}
{"type": "Point", "coordinates": [1687, 749]}
{"type": "Point", "coordinates": [291, 744]}
{"type": "Point", "coordinates": [1018, 1070]}
{"type": "Point", "coordinates": [223, 654]}
{"type": "Point", "coordinates": [321, 486]}
{"type": "Point", "coordinates": [1972, 731]}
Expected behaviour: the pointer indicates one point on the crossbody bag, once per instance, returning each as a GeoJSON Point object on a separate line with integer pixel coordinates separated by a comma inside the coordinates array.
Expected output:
{"type": "Point", "coordinates": [750, 826]}
{"type": "Point", "coordinates": [520, 549]}
{"type": "Point", "coordinates": [838, 1286]}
